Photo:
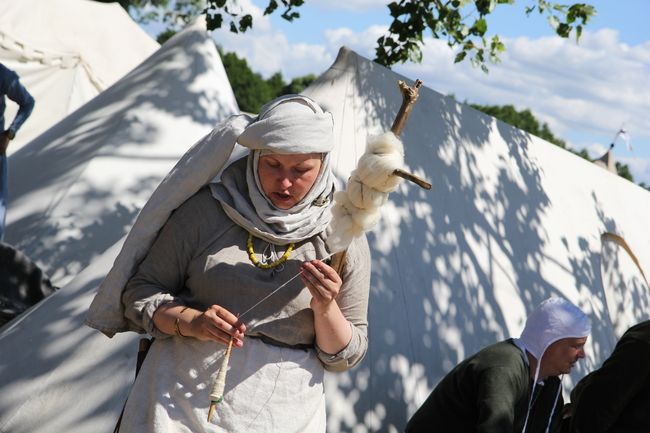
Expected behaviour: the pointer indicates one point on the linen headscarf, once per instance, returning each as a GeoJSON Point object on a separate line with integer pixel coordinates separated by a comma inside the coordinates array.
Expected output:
{"type": "Point", "coordinates": [288, 125]}
{"type": "Point", "coordinates": [554, 319]}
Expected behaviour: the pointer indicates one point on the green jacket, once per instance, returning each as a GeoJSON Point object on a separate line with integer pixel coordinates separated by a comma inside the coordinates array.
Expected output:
{"type": "Point", "coordinates": [616, 397]}
{"type": "Point", "coordinates": [489, 393]}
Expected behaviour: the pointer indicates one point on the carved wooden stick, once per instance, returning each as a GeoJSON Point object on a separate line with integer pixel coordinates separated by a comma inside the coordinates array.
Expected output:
{"type": "Point", "coordinates": [409, 97]}
{"type": "Point", "coordinates": [337, 262]}
{"type": "Point", "coordinates": [412, 178]}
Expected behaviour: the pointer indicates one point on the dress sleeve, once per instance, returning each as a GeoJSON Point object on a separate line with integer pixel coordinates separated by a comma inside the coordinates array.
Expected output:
{"type": "Point", "coordinates": [605, 393]}
{"type": "Point", "coordinates": [160, 276]}
{"type": "Point", "coordinates": [353, 302]}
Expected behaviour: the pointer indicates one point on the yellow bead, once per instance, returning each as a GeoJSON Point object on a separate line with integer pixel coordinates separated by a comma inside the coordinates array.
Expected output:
{"type": "Point", "coordinates": [253, 259]}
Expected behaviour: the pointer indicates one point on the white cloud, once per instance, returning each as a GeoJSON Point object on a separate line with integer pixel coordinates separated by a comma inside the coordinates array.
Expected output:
{"type": "Point", "coordinates": [585, 90]}
{"type": "Point", "coordinates": [351, 5]}
{"type": "Point", "coordinates": [362, 42]}
{"type": "Point", "coordinates": [595, 86]}
{"type": "Point", "coordinates": [596, 150]}
{"type": "Point", "coordinates": [268, 51]}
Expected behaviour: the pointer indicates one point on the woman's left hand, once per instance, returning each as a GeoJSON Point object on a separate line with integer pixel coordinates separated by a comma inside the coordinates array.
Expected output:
{"type": "Point", "coordinates": [323, 282]}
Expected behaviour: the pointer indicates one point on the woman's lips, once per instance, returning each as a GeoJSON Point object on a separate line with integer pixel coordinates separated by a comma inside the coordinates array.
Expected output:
{"type": "Point", "coordinates": [282, 196]}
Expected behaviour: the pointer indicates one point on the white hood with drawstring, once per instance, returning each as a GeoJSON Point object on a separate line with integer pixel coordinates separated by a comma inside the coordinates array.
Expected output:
{"type": "Point", "coordinates": [554, 319]}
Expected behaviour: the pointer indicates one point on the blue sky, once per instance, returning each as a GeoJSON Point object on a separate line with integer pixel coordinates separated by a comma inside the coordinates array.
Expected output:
{"type": "Point", "coordinates": [508, 21]}
{"type": "Point", "coordinates": [584, 91]}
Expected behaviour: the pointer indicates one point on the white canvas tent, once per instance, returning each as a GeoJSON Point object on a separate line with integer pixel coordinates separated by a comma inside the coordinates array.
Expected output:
{"type": "Point", "coordinates": [510, 220]}
{"type": "Point", "coordinates": [66, 52]}
{"type": "Point", "coordinates": [76, 189]}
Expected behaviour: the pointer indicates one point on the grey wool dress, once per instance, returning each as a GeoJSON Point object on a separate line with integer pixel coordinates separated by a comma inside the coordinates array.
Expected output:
{"type": "Point", "coordinates": [275, 381]}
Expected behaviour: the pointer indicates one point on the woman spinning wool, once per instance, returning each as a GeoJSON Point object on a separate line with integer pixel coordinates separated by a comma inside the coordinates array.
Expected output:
{"type": "Point", "coordinates": [222, 251]}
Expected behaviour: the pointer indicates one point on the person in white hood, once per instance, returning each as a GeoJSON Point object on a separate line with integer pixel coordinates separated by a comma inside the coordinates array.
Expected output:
{"type": "Point", "coordinates": [511, 386]}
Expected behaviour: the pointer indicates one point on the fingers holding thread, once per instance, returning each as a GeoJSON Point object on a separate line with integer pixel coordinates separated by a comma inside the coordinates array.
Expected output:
{"type": "Point", "coordinates": [322, 281]}
{"type": "Point", "coordinates": [218, 324]}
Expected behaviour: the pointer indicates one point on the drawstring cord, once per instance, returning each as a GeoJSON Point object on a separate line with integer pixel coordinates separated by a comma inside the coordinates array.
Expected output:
{"type": "Point", "coordinates": [557, 396]}
{"type": "Point", "coordinates": [532, 395]}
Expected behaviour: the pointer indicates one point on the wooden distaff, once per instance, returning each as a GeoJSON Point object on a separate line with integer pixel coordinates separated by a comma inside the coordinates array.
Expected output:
{"type": "Point", "coordinates": [409, 97]}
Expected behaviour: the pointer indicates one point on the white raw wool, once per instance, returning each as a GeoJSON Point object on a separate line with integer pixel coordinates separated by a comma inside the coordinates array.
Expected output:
{"type": "Point", "coordinates": [356, 210]}
{"type": "Point", "coordinates": [362, 195]}
{"type": "Point", "coordinates": [362, 219]}
{"type": "Point", "coordinates": [384, 154]}
{"type": "Point", "coordinates": [342, 228]}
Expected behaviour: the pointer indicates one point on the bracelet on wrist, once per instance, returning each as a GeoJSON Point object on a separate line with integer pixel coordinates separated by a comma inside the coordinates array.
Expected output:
{"type": "Point", "coordinates": [177, 328]}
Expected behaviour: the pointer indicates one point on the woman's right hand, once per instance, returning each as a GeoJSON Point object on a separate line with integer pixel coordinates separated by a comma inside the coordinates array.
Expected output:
{"type": "Point", "coordinates": [217, 324]}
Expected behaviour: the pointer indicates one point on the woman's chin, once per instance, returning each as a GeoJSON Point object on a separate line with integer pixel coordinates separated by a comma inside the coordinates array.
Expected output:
{"type": "Point", "coordinates": [282, 202]}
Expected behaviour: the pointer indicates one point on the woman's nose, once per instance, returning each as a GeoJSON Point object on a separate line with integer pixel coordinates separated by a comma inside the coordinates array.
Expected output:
{"type": "Point", "coordinates": [285, 182]}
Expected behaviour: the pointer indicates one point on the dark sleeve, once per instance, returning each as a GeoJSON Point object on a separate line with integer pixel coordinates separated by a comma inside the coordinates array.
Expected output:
{"type": "Point", "coordinates": [499, 390]}
{"type": "Point", "coordinates": [422, 420]}
{"type": "Point", "coordinates": [606, 392]}
{"type": "Point", "coordinates": [17, 93]}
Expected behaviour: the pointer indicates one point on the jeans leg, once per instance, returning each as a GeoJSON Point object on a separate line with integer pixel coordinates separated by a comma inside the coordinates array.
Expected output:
{"type": "Point", "coordinates": [4, 192]}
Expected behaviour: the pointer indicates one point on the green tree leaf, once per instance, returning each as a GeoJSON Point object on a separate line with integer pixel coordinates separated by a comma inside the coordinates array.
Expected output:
{"type": "Point", "coordinates": [404, 39]}
{"type": "Point", "coordinates": [480, 27]}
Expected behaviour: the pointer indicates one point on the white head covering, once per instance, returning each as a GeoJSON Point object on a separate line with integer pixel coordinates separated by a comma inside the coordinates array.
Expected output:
{"type": "Point", "coordinates": [554, 319]}
{"type": "Point", "coordinates": [291, 124]}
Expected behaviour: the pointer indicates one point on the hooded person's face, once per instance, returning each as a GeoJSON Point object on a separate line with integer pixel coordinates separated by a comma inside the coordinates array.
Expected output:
{"type": "Point", "coordinates": [561, 356]}
{"type": "Point", "coordinates": [286, 179]}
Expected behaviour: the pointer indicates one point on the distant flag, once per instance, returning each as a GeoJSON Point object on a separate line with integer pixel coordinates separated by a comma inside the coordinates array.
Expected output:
{"type": "Point", "coordinates": [623, 135]}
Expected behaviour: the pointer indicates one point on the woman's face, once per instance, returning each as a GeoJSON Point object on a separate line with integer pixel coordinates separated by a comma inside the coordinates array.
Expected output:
{"type": "Point", "coordinates": [286, 179]}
